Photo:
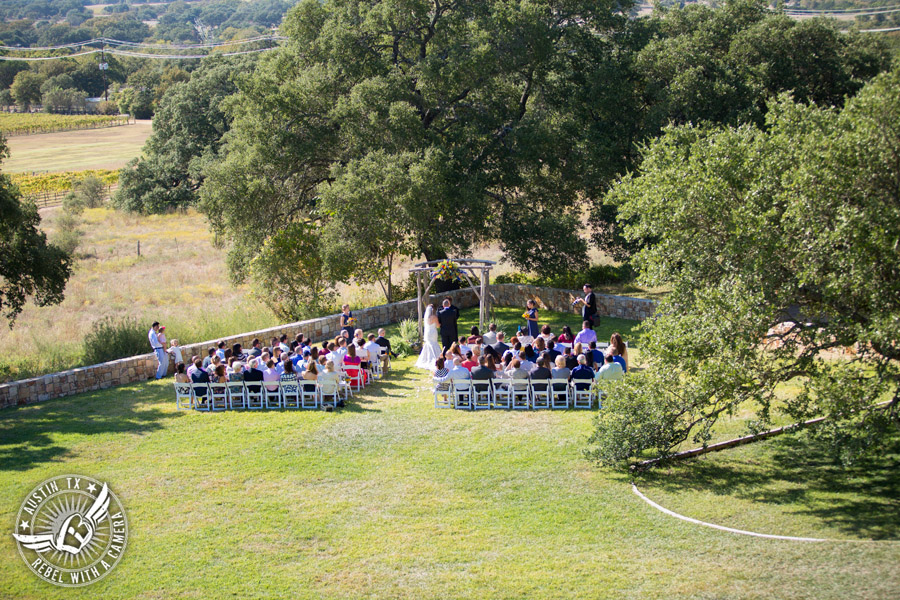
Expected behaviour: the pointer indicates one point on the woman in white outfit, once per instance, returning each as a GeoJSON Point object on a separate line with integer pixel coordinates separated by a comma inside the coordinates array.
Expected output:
{"type": "Point", "coordinates": [431, 349]}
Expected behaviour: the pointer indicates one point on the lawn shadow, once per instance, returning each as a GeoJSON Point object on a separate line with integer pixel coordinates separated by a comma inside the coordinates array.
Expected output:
{"type": "Point", "coordinates": [862, 499]}
{"type": "Point", "coordinates": [27, 433]}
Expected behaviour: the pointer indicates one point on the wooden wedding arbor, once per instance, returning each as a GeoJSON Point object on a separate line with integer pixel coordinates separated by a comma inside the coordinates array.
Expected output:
{"type": "Point", "coordinates": [467, 268]}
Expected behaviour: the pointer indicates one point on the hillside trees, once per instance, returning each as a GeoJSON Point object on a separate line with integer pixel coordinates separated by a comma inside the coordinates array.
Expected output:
{"type": "Point", "coordinates": [29, 266]}
{"type": "Point", "coordinates": [779, 244]}
{"type": "Point", "coordinates": [455, 107]}
{"type": "Point", "coordinates": [188, 126]}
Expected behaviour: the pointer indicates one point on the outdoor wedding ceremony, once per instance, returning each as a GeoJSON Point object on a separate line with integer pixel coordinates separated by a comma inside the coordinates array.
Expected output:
{"type": "Point", "coordinates": [450, 299]}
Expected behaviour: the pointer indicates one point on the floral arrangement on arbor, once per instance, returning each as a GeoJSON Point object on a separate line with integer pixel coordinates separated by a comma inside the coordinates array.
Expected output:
{"type": "Point", "coordinates": [447, 270]}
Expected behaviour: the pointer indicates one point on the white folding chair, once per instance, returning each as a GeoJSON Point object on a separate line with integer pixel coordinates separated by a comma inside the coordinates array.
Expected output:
{"type": "Point", "coordinates": [482, 394]}
{"type": "Point", "coordinates": [441, 392]}
{"type": "Point", "coordinates": [329, 389]}
{"type": "Point", "coordinates": [540, 394]}
{"type": "Point", "coordinates": [352, 375]}
{"type": "Point", "coordinates": [581, 398]}
{"type": "Point", "coordinates": [201, 395]}
{"type": "Point", "coordinates": [218, 396]}
{"type": "Point", "coordinates": [184, 397]}
{"type": "Point", "coordinates": [272, 397]}
{"type": "Point", "coordinates": [462, 393]}
{"type": "Point", "coordinates": [255, 400]}
{"type": "Point", "coordinates": [502, 397]}
{"type": "Point", "coordinates": [236, 398]}
{"type": "Point", "coordinates": [309, 398]}
{"type": "Point", "coordinates": [519, 394]}
{"type": "Point", "coordinates": [559, 393]}
{"type": "Point", "coordinates": [290, 394]}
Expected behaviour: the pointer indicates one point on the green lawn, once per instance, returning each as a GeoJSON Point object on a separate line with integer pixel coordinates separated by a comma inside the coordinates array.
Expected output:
{"type": "Point", "coordinates": [391, 498]}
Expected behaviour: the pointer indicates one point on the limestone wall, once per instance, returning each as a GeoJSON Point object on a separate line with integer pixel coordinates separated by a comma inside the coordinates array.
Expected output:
{"type": "Point", "coordinates": [143, 367]}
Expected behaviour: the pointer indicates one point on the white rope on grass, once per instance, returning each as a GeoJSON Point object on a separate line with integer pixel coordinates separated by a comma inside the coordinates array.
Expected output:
{"type": "Point", "coordinates": [789, 538]}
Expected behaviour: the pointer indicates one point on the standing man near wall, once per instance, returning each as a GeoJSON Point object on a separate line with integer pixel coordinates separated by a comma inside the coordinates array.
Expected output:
{"type": "Point", "coordinates": [161, 357]}
{"type": "Point", "coordinates": [589, 302]}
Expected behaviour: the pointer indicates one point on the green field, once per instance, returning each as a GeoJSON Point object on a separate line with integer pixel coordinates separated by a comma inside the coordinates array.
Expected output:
{"type": "Point", "coordinates": [108, 148]}
{"type": "Point", "coordinates": [392, 498]}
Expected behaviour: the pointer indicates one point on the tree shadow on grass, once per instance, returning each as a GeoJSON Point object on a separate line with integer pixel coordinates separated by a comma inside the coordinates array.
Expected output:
{"type": "Point", "coordinates": [862, 500]}
{"type": "Point", "coordinates": [36, 434]}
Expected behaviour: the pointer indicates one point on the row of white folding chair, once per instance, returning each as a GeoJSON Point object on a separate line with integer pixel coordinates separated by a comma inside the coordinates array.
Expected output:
{"type": "Point", "coordinates": [235, 395]}
{"type": "Point", "coordinates": [515, 394]}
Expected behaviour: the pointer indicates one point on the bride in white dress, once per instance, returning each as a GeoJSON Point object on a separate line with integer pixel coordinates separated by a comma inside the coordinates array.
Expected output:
{"type": "Point", "coordinates": [431, 350]}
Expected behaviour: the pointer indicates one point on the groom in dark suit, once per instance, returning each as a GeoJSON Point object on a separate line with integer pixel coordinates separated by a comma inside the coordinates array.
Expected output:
{"type": "Point", "coordinates": [447, 317]}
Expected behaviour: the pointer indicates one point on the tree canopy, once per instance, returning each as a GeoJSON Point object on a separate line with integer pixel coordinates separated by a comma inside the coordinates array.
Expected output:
{"type": "Point", "coordinates": [29, 266]}
{"type": "Point", "coordinates": [782, 248]}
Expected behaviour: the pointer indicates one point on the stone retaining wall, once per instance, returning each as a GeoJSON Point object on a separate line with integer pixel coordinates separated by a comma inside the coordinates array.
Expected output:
{"type": "Point", "coordinates": [140, 368]}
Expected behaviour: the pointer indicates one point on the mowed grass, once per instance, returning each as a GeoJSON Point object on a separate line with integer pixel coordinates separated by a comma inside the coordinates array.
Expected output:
{"type": "Point", "coordinates": [179, 279]}
{"type": "Point", "coordinates": [109, 148]}
{"type": "Point", "coordinates": [392, 498]}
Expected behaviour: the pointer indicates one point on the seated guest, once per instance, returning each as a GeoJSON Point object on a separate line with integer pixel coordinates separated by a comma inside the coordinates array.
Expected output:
{"type": "Point", "coordinates": [354, 362]}
{"type": "Point", "coordinates": [482, 372]}
{"type": "Point", "coordinates": [385, 343]}
{"type": "Point", "coordinates": [579, 349]}
{"type": "Point", "coordinates": [561, 371]}
{"type": "Point", "coordinates": [329, 379]}
{"type": "Point", "coordinates": [192, 366]}
{"type": "Point", "coordinates": [463, 345]}
{"type": "Point", "coordinates": [524, 338]}
{"type": "Point", "coordinates": [255, 348]}
{"type": "Point", "coordinates": [357, 336]}
{"type": "Point", "coordinates": [473, 335]}
{"type": "Point", "coordinates": [469, 363]}
{"type": "Point", "coordinates": [539, 345]}
{"type": "Point", "coordinates": [458, 371]}
{"type": "Point", "coordinates": [586, 335]}
{"type": "Point", "coordinates": [253, 374]}
{"type": "Point", "coordinates": [611, 370]}
{"type": "Point", "coordinates": [515, 370]}
{"type": "Point", "coordinates": [228, 356]}
{"type": "Point", "coordinates": [621, 361]}
{"type": "Point", "coordinates": [238, 352]}
{"type": "Point", "coordinates": [288, 374]}
{"type": "Point", "coordinates": [571, 358]}
{"type": "Point", "coordinates": [500, 347]}
{"type": "Point", "coordinates": [491, 364]}
{"type": "Point", "coordinates": [617, 347]}
{"type": "Point", "coordinates": [271, 374]}
{"type": "Point", "coordinates": [540, 373]}
{"type": "Point", "coordinates": [218, 375]}
{"type": "Point", "coordinates": [582, 375]}
{"type": "Point", "coordinates": [199, 376]}
{"type": "Point", "coordinates": [456, 352]}
{"type": "Point", "coordinates": [221, 349]}
{"type": "Point", "coordinates": [552, 352]}
{"type": "Point", "coordinates": [566, 336]}
{"type": "Point", "coordinates": [596, 355]}
{"type": "Point", "coordinates": [237, 371]}
{"type": "Point", "coordinates": [362, 353]}
{"type": "Point", "coordinates": [310, 374]}
{"type": "Point", "coordinates": [374, 350]}
{"type": "Point", "coordinates": [440, 372]}
{"type": "Point", "coordinates": [181, 375]}
{"type": "Point", "coordinates": [490, 336]}
{"type": "Point", "coordinates": [524, 362]}
{"type": "Point", "coordinates": [546, 334]}
{"type": "Point", "coordinates": [206, 361]}
{"type": "Point", "coordinates": [283, 343]}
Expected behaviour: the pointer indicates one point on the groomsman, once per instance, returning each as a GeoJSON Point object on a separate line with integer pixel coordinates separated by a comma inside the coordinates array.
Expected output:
{"type": "Point", "coordinates": [589, 305]}
{"type": "Point", "coordinates": [161, 357]}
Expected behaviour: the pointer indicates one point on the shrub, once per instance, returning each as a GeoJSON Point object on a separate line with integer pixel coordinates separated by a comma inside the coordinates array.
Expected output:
{"type": "Point", "coordinates": [596, 275]}
{"type": "Point", "coordinates": [92, 191]}
{"type": "Point", "coordinates": [67, 241]}
{"type": "Point", "coordinates": [111, 339]}
{"type": "Point", "coordinates": [409, 330]}
{"type": "Point", "coordinates": [107, 108]}
{"type": "Point", "coordinates": [73, 204]}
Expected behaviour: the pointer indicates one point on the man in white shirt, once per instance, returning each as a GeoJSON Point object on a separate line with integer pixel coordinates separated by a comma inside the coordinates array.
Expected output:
{"type": "Point", "coordinates": [375, 351]}
{"type": "Point", "coordinates": [611, 370]}
{"type": "Point", "coordinates": [457, 372]}
{"type": "Point", "coordinates": [490, 337]}
{"type": "Point", "coordinates": [161, 357]}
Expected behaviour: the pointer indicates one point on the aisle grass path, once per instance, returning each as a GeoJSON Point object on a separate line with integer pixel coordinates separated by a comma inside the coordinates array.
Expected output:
{"type": "Point", "coordinates": [391, 498]}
